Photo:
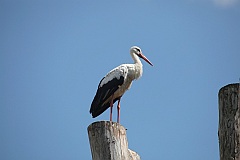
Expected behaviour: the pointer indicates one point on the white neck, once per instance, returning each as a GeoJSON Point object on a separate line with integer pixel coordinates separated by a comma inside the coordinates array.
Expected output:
{"type": "Point", "coordinates": [137, 72]}
{"type": "Point", "coordinates": [136, 59]}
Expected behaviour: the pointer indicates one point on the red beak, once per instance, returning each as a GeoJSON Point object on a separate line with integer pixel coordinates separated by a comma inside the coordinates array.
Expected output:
{"type": "Point", "coordinates": [145, 58]}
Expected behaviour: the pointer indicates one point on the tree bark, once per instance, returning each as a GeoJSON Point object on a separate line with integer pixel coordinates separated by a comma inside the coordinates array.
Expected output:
{"type": "Point", "coordinates": [108, 141]}
{"type": "Point", "coordinates": [229, 122]}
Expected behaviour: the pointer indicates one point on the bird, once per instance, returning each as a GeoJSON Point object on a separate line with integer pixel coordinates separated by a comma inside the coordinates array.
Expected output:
{"type": "Point", "coordinates": [112, 86]}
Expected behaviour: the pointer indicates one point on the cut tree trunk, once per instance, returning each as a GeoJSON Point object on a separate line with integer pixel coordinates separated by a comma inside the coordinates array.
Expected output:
{"type": "Point", "coordinates": [229, 122]}
{"type": "Point", "coordinates": [108, 141]}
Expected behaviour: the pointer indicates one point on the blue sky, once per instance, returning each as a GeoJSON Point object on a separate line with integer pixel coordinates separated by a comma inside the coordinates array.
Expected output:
{"type": "Point", "coordinates": [54, 53]}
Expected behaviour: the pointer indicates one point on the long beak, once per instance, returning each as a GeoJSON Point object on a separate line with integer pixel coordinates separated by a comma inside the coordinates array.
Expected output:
{"type": "Point", "coordinates": [145, 58]}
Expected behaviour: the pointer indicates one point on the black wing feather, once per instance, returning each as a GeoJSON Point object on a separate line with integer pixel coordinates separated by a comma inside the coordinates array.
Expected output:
{"type": "Point", "coordinates": [103, 93]}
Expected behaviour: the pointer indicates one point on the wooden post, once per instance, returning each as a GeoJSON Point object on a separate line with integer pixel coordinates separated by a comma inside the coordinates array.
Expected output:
{"type": "Point", "coordinates": [229, 122]}
{"type": "Point", "coordinates": [108, 141]}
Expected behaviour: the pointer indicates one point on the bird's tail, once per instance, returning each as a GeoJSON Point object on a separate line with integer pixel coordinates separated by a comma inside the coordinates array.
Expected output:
{"type": "Point", "coordinates": [98, 108]}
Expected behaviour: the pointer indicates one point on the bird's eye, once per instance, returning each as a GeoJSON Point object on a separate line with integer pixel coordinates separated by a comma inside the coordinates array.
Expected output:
{"type": "Point", "coordinates": [138, 49]}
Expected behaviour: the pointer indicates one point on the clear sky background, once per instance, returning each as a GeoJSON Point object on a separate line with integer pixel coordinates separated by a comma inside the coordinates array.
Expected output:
{"type": "Point", "coordinates": [54, 53]}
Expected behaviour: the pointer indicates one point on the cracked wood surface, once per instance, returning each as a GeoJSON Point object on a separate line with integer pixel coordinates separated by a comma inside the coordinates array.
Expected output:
{"type": "Point", "coordinates": [108, 141]}
{"type": "Point", "coordinates": [229, 122]}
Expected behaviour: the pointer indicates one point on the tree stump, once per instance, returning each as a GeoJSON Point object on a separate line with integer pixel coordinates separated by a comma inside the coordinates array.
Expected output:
{"type": "Point", "coordinates": [108, 141]}
{"type": "Point", "coordinates": [229, 122]}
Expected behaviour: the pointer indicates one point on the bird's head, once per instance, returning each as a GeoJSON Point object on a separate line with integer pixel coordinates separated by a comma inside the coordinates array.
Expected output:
{"type": "Point", "coordinates": [136, 50]}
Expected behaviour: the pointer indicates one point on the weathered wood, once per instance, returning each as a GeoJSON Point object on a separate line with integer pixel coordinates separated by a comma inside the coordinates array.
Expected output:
{"type": "Point", "coordinates": [108, 141]}
{"type": "Point", "coordinates": [229, 122]}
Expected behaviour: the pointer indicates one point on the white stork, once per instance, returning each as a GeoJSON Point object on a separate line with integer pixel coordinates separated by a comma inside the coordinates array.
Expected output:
{"type": "Point", "coordinates": [116, 83]}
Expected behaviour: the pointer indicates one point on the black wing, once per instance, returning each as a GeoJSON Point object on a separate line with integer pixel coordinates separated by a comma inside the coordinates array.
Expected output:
{"type": "Point", "coordinates": [99, 104]}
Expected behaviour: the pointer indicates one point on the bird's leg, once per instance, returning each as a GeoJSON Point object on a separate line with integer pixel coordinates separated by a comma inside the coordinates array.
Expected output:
{"type": "Point", "coordinates": [118, 110]}
{"type": "Point", "coordinates": [111, 106]}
